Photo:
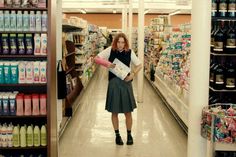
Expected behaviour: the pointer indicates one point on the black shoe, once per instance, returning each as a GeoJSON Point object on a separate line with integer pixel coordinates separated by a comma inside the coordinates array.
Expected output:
{"type": "Point", "coordinates": [129, 140]}
{"type": "Point", "coordinates": [119, 140]}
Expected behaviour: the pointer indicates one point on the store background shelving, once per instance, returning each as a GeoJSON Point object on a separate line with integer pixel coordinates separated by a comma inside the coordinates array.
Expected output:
{"type": "Point", "coordinates": [29, 88]}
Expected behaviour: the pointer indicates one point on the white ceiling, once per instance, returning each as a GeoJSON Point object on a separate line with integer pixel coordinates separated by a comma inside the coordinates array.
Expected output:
{"type": "Point", "coordinates": [107, 6]}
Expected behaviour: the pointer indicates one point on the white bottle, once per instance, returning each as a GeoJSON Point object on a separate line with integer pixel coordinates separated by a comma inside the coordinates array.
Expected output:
{"type": "Point", "coordinates": [0, 135]}
{"type": "Point", "coordinates": [26, 21]}
{"type": "Point", "coordinates": [10, 135]}
{"type": "Point", "coordinates": [4, 135]}
{"type": "Point", "coordinates": [32, 21]}
{"type": "Point", "coordinates": [6, 20]}
{"type": "Point", "coordinates": [16, 136]}
{"type": "Point", "coordinates": [36, 136]}
{"type": "Point", "coordinates": [38, 18]}
{"type": "Point", "coordinates": [43, 135]}
{"type": "Point", "coordinates": [19, 21]}
{"type": "Point", "coordinates": [1, 21]}
{"type": "Point", "coordinates": [13, 20]}
{"type": "Point", "coordinates": [44, 21]}
{"type": "Point", "coordinates": [30, 136]}
{"type": "Point", "coordinates": [23, 136]}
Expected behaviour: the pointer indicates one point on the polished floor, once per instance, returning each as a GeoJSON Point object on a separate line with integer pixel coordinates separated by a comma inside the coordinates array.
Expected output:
{"type": "Point", "coordinates": [90, 132]}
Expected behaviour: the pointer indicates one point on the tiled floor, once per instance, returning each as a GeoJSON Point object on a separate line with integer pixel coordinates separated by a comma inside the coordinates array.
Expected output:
{"type": "Point", "coordinates": [90, 132]}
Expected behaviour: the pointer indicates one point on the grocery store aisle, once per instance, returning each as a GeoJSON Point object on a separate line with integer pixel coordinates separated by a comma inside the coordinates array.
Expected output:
{"type": "Point", "coordinates": [90, 132]}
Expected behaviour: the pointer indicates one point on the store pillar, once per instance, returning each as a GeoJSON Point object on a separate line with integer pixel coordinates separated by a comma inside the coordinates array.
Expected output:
{"type": "Point", "coordinates": [140, 48]}
{"type": "Point", "coordinates": [199, 75]}
{"type": "Point", "coordinates": [130, 22]}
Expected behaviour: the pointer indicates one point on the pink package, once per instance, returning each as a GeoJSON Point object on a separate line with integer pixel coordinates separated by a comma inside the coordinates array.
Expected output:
{"type": "Point", "coordinates": [19, 104]}
{"type": "Point", "coordinates": [27, 103]}
{"type": "Point", "coordinates": [102, 61]}
{"type": "Point", "coordinates": [43, 104]}
{"type": "Point", "coordinates": [35, 104]}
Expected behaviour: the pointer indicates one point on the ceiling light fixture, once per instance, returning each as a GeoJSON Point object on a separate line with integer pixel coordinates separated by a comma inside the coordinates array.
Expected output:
{"type": "Point", "coordinates": [83, 11]}
{"type": "Point", "coordinates": [174, 13]}
{"type": "Point", "coordinates": [146, 11]}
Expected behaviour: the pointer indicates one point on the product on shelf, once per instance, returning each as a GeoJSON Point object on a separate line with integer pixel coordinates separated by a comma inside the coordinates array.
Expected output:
{"type": "Point", "coordinates": [23, 3]}
{"type": "Point", "coordinates": [23, 21]}
{"type": "Point", "coordinates": [224, 122]}
{"type": "Point", "coordinates": [18, 104]}
{"type": "Point", "coordinates": [223, 8]}
{"type": "Point", "coordinates": [22, 136]}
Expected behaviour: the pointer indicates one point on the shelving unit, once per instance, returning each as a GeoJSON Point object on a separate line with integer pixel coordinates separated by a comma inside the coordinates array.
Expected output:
{"type": "Point", "coordinates": [44, 88]}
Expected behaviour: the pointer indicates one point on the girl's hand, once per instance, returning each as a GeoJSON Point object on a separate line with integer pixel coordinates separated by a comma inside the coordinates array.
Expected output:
{"type": "Point", "coordinates": [111, 66]}
{"type": "Point", "coordinates": [129, 77]}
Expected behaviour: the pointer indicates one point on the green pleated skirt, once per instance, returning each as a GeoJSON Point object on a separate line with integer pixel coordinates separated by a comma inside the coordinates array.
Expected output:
{"type": "Point", "coordinates": [120, 96]}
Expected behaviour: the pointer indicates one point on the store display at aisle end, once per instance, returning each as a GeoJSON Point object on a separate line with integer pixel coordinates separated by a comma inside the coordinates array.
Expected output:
{"type": "Point", "coordinates": [218, 119]}
{"type": "Point", "coordinates": [24, 108]}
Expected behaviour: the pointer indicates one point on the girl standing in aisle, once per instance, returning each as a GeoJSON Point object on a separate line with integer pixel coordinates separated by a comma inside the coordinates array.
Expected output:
{"type": "Point", "coordinates": [120, 97]}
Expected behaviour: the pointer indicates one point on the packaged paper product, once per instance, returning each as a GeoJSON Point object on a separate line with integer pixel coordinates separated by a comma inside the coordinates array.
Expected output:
{"type": "Point", "coordinates": [120, 70]}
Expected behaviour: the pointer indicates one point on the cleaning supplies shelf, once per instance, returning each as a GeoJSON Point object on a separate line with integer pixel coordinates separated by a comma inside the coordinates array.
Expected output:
{"type": "Point", "coordinates": [22, 148]}
{"type": "Point", "coordinates": [29, 9]}
{"type": "Point", "coordinates": [38, 57]}
{"type": "Point", "coordinates": [23, 117]}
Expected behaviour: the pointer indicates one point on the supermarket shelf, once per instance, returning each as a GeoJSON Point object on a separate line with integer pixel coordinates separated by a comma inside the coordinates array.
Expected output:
{"type": "Point", "coordinates": [78, 44]}
{"type": "Point", "coordinates": [173, 100]}
{"type": "Point", "coordinates": [224, 54]}
{"type": "Point", "coordinates": [22, 148]}
{"type": "Point", "coordinates": [223, 18]}
{"type": "Point", "coordinates": [34, 9]}
{"type": "Point", "coordinates": [22, 117]}
{"type": "Point", "coordinates": [223, 90]}
{"type": "Point", "coordinates": [69, 54]}
{"type": "Point", "coordinates": [24, 85]}
{"type": "Point", "coordinates": [167, 102]}
{"type": "Point", "coordinates": [20, 57]}
{"type": "Point", "coordinates": [23, 32]}
{"type": "Point", "coordinates": [69, 70]}
{"type": "Point", "coordinates": [225, 147]}
{"type": "Point", "coordinates": [70, 28]}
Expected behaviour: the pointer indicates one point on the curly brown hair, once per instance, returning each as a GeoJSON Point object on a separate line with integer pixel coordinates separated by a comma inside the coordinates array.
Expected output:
{"type": "Point", "coordinates": [120, 35]}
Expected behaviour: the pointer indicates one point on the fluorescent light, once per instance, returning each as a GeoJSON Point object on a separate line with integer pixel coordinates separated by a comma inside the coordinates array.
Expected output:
{"type": "Point", "coordinates": [114, 11]}
{"type": "Point", "coordinates": [175, 12]}
{"type": "Point", "coordinates": [146, 11]}
{"type": "Point", "coordinates": [83, 11]}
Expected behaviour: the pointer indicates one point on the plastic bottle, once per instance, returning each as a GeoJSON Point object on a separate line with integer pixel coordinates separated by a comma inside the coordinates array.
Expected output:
{"type": "Point", "coordinates": [23, 136]}
{"type": "Point", "coordinates": [19, 104]}
{"type": "Point", "coordinates": [12, 102]}
{"type": "Point", "coordinates": [27, 103]}
{"type": "Point", "coordinates": [10, 135]}
{"type": "Point", "coordinates": [19, 21]}
{"type": "Point", "coordinates": [36, 136]}
{"type": "Point", "coordinates": [14, 72]}
{"type": "Point", "coordinates": [38, 18]}
{"type": "Point", "coordinates": [1, 110]}
{"type": "Point", "coordinates": [43, 135]}
{"type": "Point", "coordinates": [6, 20]}
{"type": "Point", "coordinates": [43, 104]}
{"type": "Point", "coordinates": [1, 73]}
{"type": "Point", "coordinates": [0, 135]}
{"type": "Point", "coordinates": [35, 102]}
{"type": "Point", "coordinates": [26, 21]}
{"type": "Point", "coordinates": [30, 136]}
{"type": "Point", "coordinates": [7, 72]}
{"type": "Point", "coordinates": [16, 136]}
{"type": "Point", "coordinates": [4, 135]}
{"type": "Point", "coordinates": [5, 104]}
{"type": "Point", "coordinates": [1, 21]}
{"type": "Point", "coordinates": [32, 25]}
{"type": "Point", "coordinates": [13, 20]}
{"type": "Point", "coordinates": [44, 21]}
